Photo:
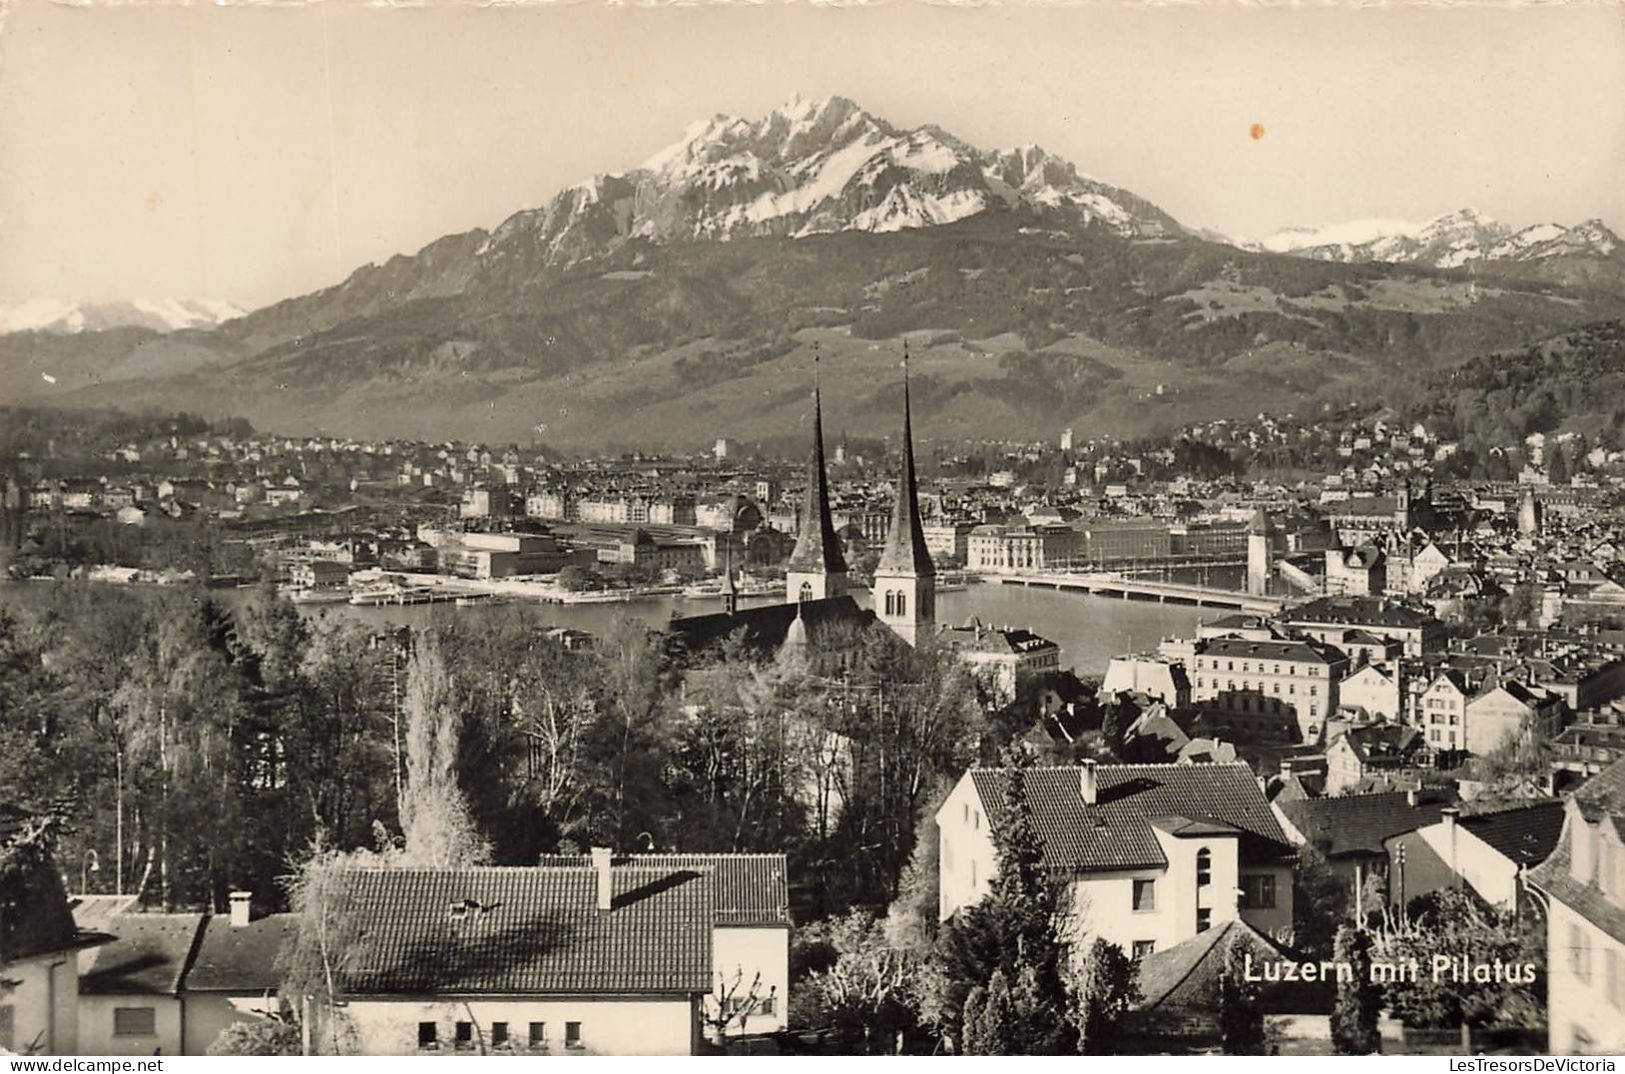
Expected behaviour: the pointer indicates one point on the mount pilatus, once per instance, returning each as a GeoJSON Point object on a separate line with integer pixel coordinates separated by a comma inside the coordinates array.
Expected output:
{"type": "Point", "coordinates": [808, 168]}
{"type": "Point", "coordinates": [681, 300]}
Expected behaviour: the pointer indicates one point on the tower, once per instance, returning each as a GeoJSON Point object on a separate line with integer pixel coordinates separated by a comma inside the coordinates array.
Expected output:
{"type": "Point", "coordinates": [816, 568]}
{"type": "Point", "coordinates": [1402, 507]}
{"type": "Point", "coordinates": [905, 581]}
{"type": "Point", "coordinates": [1260, 554]}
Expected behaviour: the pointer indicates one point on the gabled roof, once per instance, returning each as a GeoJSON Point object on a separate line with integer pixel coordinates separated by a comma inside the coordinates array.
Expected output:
{"type": "Point", "coordinates": [1359, 823]}
{"type": "Point", "coordinates": [148, 955]}
{"type": "Point", "coordinates": [1187, 974]}
{"type": "Point", "coordinates": [1116, 831]}
{"type": "Point", "coordinates": [1603, 795]}
{"type": "Point", "coordinates": [529, 931]}
{"type": "Point", "coordinates": [1363, 611]}
{"type": "Point", "coordinates": [1240, 648]}
{"type": "Point", "coordinates": [750, 889]}
{"type": "Point", "coordinates": [241, 959]}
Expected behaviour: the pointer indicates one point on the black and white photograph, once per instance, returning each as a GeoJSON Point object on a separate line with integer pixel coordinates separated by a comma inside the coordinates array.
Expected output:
{"type": "Point", "coordinates": [802, 529]}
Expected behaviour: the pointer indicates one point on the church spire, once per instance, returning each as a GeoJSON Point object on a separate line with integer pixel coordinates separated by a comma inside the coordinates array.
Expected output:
{"type": "Point", "coordinates": [906, 552]}
{"type": "Point", "coordinates": [816, 568]}
{"type": "Point", "coordinates": [905, 594]}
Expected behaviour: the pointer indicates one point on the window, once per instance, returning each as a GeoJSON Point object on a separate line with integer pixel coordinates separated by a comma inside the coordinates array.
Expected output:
{"type": "Point", "coordinates": [465, 1034]}
{"type": "Point", "coordinates": [499, 1034]}
{"type": "Point", "coordinates": [1204, 867]}
{"type": "Point", "coordinates": [135, 1022]}
{"type": "Point", "coordinates": [765, 1004]}
{"type": "Point", "coordinates": [572, 1034]}
{"type": "Point", "coordinates": [538, 1034]}
{"type": "Point", "coordinates": [902, 603]}
{"type": "Point", "coordinates": [1579, 952]}
{"type": "Point", "coordinates": [891, 602]}
{"type": "Point", "coordinates": [1143, 948]}
{"type": "Point", "coordinates": [1258, 892]}
{"type": "Point", "coordinates": [806, 591]}
{"type": "Point", "coordinates": [428, 1034]}
{"type": "Point", "coordinates": [1145, 896]}
{"type": "Point", "coordinates": [1204, 919]}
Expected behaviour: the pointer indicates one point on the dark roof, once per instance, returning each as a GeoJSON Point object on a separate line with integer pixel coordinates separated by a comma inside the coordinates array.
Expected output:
{"type": "Point", "coordinates": [906, 552]}
{"type": "Point", "coordinates": [1523, 834]}
{"type": "Point", "coordinates": [1358, 823]}
{"type": "Point", "coordinates": [1360, 611]}
{"type": "Point", "coordinates": [530, 931]}
{"type": "Point", "coordinates": [1187, 974]}
{"type": "Point", "coordinates": [817, 550]}
{"type": "Point", "coordinates": [1298, 651]}
{"type": "Point", "coordinates": [765, 626]}
{"type": "Point", "coordinates": [243, 959]}
{"type": "Point", "coordinates": [1116, 832]}
{"type": "Point", "coordinates": [1384, 742]}
{"type": "Point", "coordinates": [148, 955]}
{"type": "Point", "coordinates": [750, 889]}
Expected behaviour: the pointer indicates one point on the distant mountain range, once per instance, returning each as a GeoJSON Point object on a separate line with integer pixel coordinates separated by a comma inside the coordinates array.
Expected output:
{"type": "Point", "coordinates": [681, 300]}
{"type": "Point", "coordinates": [158, 315]}
{"type": "Point", "coordinates": [1450, 241]}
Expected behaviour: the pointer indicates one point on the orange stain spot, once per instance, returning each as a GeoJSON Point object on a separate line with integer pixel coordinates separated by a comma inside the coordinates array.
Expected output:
{"type": "Point", "coordinates": [1256, 131]}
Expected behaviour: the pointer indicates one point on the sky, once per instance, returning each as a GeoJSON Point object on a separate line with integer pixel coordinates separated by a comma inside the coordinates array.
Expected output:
{"type": "Point", "coordinates": [254, 153]}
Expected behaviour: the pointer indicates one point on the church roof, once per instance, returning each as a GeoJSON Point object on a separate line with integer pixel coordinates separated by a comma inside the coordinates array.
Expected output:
{"type": "Point", "coordinates": [767, 626]}
{"type": "Point", "coordinates": [906, 552]}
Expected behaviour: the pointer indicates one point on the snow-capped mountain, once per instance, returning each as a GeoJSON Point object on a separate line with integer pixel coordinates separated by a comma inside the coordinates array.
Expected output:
{"type": "Point", "coordinates": [1448, 241]}
{"type": "Point", "coordinates": [159, 315]}
{"type": "Point", "coordinates": [813, 167]}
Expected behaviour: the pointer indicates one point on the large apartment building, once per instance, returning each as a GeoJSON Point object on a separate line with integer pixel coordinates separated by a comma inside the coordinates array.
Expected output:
{"type": "Point", "coordinates": [1284, 689]}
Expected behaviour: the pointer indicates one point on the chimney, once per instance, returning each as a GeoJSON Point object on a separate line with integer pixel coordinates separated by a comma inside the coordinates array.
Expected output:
{"type": "Point", "coordinates": [1286, 768]}
{"type": "Point", "coordinates": [1410, 797]}
{"type": "Point", "coordinates": [600, 864]}
{"type": "Point", "coordinates": [1086, 772]}
{"type": "Point", "coordinates": [241, 909]}
{"type": "Point", "coordinates": [1449, 816]}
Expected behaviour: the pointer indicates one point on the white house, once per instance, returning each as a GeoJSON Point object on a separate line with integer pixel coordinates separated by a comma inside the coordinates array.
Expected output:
{"type": "Point", "coordinates": [1584, 882]}
{"type": "Point", "coordinates": [130, 987]}
{"type": "Point", "coordinates": [1155, 853]}
{"type": "Point", "coordinates": [233, 975]}
{"type": "Point", "coordinates": [602, 960]}
{"type": "Point", "coordinates": [750, 945]}
{"type": "Point", "coordinates": [1486, 852]}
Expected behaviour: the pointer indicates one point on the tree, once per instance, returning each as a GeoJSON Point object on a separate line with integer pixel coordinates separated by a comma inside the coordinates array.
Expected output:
{"type": "Point", "coordinates": [733, 1000]}
{"type": "Point", "coordinates": [866, 995]}
{"type": "Point", "coordinates": [261, 1036]}
{"type": "Point", "coordinates": [1118, 717]}
{"type": "Point", "coordinates": [1457, 925]}
{"type": "Point", "coordinates": [1241, 1019]}
{"type": "Point", "coordinates": [312, 965]}
{"type": "Point", "coordinates": [439, 829]}
{"type": "Point", "coordinates": [1320, 903]}
{"type": "Point", "coordinates": [1359, 999]}
{"type": "Point", "coordinates": [1016, 930]}
{"type": "Point", "coordinates": [1107, 988]}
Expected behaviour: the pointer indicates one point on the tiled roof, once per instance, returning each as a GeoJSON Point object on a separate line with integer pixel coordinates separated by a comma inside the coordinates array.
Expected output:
{"type": "Point", "coordinates": [766, 626]}
{"type": "Point", "coordinates": [1524, 834]}
{"type": "Point", "coordinates": [240, 960]}
{"type": "Point", "coordinates": [1365, 611]}
{"type": "Point", "coordinates": [530, 931]}
{"type": "Point", "coordinates": [1297, 651]}
{"type": "Point", "coordinates": [749, 889]}
{"type": "Point", "coordinates": [1358, 823]}
{"type": "Point", "coordinates": [148, 955]}
{"type": "Point", "coordinates": [1187, 974]}
{"type": "Point", "coordinates": [1116, 832]}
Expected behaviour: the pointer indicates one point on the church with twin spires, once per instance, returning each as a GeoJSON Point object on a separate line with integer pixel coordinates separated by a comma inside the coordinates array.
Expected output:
{"type": "Point", "coordinates": [816, 584]}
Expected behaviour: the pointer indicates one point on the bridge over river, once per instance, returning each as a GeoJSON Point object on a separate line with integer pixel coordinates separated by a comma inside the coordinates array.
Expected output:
{"type": "Point", "coordinates": [1118, 585]}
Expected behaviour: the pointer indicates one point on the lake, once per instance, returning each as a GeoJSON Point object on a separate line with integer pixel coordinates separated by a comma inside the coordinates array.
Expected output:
{"type": "Point", "coordinates": [1090, 630]}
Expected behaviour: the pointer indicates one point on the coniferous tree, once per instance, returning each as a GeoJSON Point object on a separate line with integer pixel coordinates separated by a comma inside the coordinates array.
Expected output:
{"type": "Point", "coordinates": [1241, 1019]}
{"type": "Point", "coordinates": [1359, 1000]}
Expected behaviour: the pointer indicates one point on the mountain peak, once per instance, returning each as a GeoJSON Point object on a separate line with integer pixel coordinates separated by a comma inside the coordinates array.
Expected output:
{"type": "Point", "coordinates": [811, 166]}
{"type": "Point", "coordinates": [157, 314]}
